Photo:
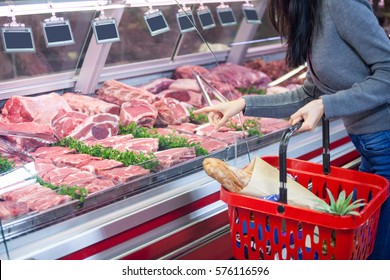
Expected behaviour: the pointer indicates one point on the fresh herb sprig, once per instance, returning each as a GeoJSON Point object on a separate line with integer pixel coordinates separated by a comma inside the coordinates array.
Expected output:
{"type": "Point", "coordinates": [342, 206]}
{"type": "Point", "coordinates": [6, 164]}
{"type": "Point", "coordinates": [199, 118]}
{"type": "Point", "coordinates": [147, 161]}
{"type": "Point", "coordinates": [165, 141]}
{"type": "Point", "coordinates": [252, 90]}
{"type": "Point", "coordinates": [250, 126]}
{"type": "Point", "coordinates": [74, 192]}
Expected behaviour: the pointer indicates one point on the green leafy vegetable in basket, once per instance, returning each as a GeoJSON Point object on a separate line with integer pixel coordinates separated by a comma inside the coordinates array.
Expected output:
{"type": "Point", "coordinates": [342, 206]}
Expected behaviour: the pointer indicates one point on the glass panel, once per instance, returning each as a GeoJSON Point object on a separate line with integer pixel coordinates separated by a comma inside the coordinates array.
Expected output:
{"type": "Point", "coordinates": [45, 60]}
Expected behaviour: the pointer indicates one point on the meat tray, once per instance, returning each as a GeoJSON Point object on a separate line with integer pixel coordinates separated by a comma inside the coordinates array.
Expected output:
{"type": "Point", "coordinates": [37, 220]}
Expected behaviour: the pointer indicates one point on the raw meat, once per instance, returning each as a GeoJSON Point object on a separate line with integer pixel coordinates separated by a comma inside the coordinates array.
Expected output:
{"type": "Point", "coordinates": [171, 111]}
{"type": "Point", "coordinates": [241, 76]}
{"type": "Point", "coordinates": [95, 166]}
{"type": "Point", "coordinates": [209, 144]}
{"type": "Point", "coordinates": [269, 125]}
{"type": "Point", "coordinates": [166, 131]}
{"type": "Point", "coordinates": [65, 122]}
{"type": "Point", "coordinates": [28, 130]}
{"type": "Point", "coordinates": [116, 92]}
{"type": "Point", "coordinates": [11, 209]}
{"type": "Point", "coordinates": [79, 179]}
{"type": "Point", "coordinates": [43, 166]}
{"type": "Point", "coordinates": [185, 84]}
{"type": "Point", "coordinates": [49, 152]}
{"type": "Point", "coordinates": [111, 141]}
{"type": "Point", "coordinates": [144, 145]}
{"type": "Point", "coordinates": [39, 109]}
{"type": "Point", "coordinates": [139, 111]}
{"type": "Point", "coordinates": [72, 160]}
{"type": "Point", "coordinates": [170, 157]}
{"type": "Point", "coordinates": [184, 127]}
{"type": "Point", "coordinates": [158, 85]}
{"type": "Point", "coordinates": [90, 105]}
{"type": "Point", "coordinates": [186, 71]}
{"type": "Point", "coordinates": [97, 127]}
{"type": "Point", "coordinates": [124, 174]}
{"type": "Point", "coordinates": [195, 99]}
{"type": "Point", "coordinates": [56, 175]}
{"type": "Point", "coordinates": [99, 185]}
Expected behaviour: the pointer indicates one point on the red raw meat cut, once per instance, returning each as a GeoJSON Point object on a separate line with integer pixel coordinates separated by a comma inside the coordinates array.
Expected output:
{"type": "Point", "coordinates": [99, 184]}
{"type": "Point", "coordinates": [39, 109]}
{"type": "Point", "coordinates": [184, 127]}
{"type": "Point", "coordinates": [56, 175]}
{"type": "Point", "coordinates": [30, 190]}
{"type": "Point", "coordinates": [39, 203]}
{"type": "Point", "coordinates": [185, 84]}
{"type": "Point", "coordinates": [11, 209]}
{"type": "Point", "coordinates": [116, 92]}
{"type": "Point", "coordinates": [95, 166]}
{"type": "Point", "coordinates": [187, 71]}
{"type": "Point", "coordinates": [207, 128]}
{"type": "Point", "coordinates": [195, 99]}
{"type": "Point", "coordinates": [270, 125]}
{"type": "Point", "coordinates": [158, 85]}
{"type": "Point", "coordinates": [79, 179]}
{"type": "Point", "coordinates": [72, 160]}
{"type": "Point", "coordinates": [144, 145]}
{"type": "Point", "coordinates": [110, 141]}
{"type": "Point", "coordinates": [241, 76]}
{"type": "Point", "coordinates": [65, 122]}
{"type": "Point", "coordinates": [171, 111]}
{"type": "Point", "coordinates": [49, 152]}
{"type": "Point", "coordinates": [166, 131]}
{"type": "Point", "coordinates": [28, 130]}
{"type": "Point", "coordinates": [125, 174]}
{"type": "Point", "coordinates": [90, 105]}
{"type": "Point", "coordinates": [139, 111]}
{"type": "Point", "coordinates": [43, 166]}
{"type": "Point", "coordinates": [97, 127]}
{"type": "Point", "coordinates": [170, 157]}
{"type": "Point", "coordinates": [207, 143]}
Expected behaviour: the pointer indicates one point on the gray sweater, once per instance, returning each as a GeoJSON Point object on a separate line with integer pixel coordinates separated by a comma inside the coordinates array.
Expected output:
{"type": "Point", "coordinates": [349, 69]}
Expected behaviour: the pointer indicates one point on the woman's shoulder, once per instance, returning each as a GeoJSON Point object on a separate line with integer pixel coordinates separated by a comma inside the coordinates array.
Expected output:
{"type": "Point", "coordinates": [347, 4]}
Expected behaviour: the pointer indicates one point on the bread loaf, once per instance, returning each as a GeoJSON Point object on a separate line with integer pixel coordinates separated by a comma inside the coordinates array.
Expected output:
{"type": "Point", "coordinates": [231, 178]}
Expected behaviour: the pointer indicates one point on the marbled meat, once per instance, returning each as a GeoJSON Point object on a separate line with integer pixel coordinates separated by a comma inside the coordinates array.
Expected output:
{"type": "Point", "coordinates": [171, 111]}
{"type": "Point", "coordinates": [97, 127]}
{"type": "Point", "coordinates": [12, 209]}
{"type": "Point", "coordinates": [139, 111]}
{"type": "Point", "coordinates": [90, 105]}
{"type": "Point", "coordinates": [125, 174]}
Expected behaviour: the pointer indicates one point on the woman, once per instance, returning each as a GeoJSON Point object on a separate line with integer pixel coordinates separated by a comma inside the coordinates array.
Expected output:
{"type": "Point", "coordinates": [348, 59]}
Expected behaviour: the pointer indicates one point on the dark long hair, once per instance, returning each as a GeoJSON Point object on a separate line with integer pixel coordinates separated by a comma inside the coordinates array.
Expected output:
{"type": "Point", "coordinates": [295, 20]}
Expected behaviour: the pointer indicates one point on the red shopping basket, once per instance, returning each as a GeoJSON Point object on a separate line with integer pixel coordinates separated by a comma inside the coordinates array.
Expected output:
{"type": "Point", "coordinates": [263, 229]}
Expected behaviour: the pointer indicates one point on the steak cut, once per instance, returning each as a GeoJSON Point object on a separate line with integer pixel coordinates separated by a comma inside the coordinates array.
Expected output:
{"type": "Point", "coordinates": [11, 209]}
{"type": "Point", "coordinates": [95, 166]}
{"type": "Point", "coordinates": [139, 111]}
{"type": "Point", "coordinates": [124, 174]}
{"type": "Point", "coordinates": [97, 127]}
{"type": "Point", "coordinates": [99, 185]}
{"type": "Point", "coordinates": [90, 105]}
{"type": "Point", "coordinates": [65, 122]}
{"type": "Point", "coordinates": [171, 111]}
{"type": "Point", "coordinates": [49, 152]}
{"type": "Point", "coordinates": [72, 160]}
{"type": "Point", "coordinates": [39, 109]}
{"type": "Point", "coordinates": [184, 127]}
{"type": "Point", "coordinates": [207, 143]}
{"type": "Point", "coordinates": [158, 85]}
{"type": "Point", "coordinates": [193, 98]}
{"type": "Point", "coordinates": [28, 130]}
{"type": "Point", "coordinates": [144, 145]}
{"type": "Point", "coordinates": [116, 92]}
{"type": "Point", "coordinates": [170, 157]}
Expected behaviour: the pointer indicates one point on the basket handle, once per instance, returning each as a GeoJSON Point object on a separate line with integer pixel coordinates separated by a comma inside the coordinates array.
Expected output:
{"type": "Point", "coordinates": [283, 154]}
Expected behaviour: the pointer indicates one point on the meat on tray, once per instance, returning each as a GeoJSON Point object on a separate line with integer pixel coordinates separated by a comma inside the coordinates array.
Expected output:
{"type": "Point", "coordinates": [12, 209]}
{"type": "Point", "coordinates": [90, 105]}
{"type": "Point", "coordinates": [184, 127]}
{"type": "Point", "coordinates": [187, 71]}
{"type": "Point", "coordinates": [116, 92]}
{"type": "Point", "coordinates": [72, 160]}
{"type": "Point", "coordinates": [49, 152]}
{"type": "Point", "coordinates": [171, 111]}
{"type": "Point", "coordinates": [207, 143]}
{"type": "Point", "coordinates": [99, 185]}
{"type": "Point", "coordinates": [39, 109]}
{"type": "Point", "coordinates": [144, 145]}
{"type": "Point", "coordinates": [170, 157]}
{"type": "Point", "coordinates": [28, 130]}
{"type": "Point", "coordinates": [97, 127]}
{"type": "Point", "coordinates": [158, 85]}
{"type": "Point", "coordinates": [66, 121]}
{"type": "Point", "coordinates": [139, 111]}
{"type": "Point", "coordinates": [193, 98]}
{"type": "Point", "coordinates": [124, 174]}
{"type": "Point", "coordinates": [57, 175]}
{"type": "Point", "coordinates": [110, 141]}
{"type": "Point", "coordinates": [95, 166]}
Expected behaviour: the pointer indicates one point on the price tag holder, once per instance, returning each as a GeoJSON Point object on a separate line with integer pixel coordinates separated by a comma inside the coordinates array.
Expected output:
{"type": "Point", "coordinates": [206, 19]}
{"type": "Point", "coordinates": [17, 39]}
{"type": "Point", "coordinates": [156, 23]}
{"type": "Point", "coordinates": [105, 31]}
{"type": "Point", "coordinates": [57, 33]}
{"type": "Point", "coordinates": [226, 16]}
{"type": "Point", "coordinates": [250, 14]}
{"type": "Point", "coordinates": [186, 22]}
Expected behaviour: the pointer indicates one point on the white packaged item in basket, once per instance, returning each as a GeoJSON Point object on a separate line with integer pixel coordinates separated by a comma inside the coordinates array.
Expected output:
{"type": "Point", "coordinates": [265, 181]}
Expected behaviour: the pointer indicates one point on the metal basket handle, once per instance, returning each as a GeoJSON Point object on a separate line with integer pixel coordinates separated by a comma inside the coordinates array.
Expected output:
{"type": "Point", "coordinates": [283, 155]}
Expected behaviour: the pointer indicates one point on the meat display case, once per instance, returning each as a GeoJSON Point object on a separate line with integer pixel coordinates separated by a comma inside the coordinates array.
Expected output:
{"type": "Point", "coordinates": [172, 214]}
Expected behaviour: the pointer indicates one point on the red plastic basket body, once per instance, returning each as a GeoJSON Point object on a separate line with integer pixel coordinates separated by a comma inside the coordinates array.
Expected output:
{"type": "Point", "coordinates": [259, 231]}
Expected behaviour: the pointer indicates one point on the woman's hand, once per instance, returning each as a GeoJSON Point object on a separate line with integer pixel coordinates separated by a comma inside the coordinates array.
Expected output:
{"type": "Point", "coordinates": [219, 114]}
{"type": "Point", "coordinates": [311, 114]}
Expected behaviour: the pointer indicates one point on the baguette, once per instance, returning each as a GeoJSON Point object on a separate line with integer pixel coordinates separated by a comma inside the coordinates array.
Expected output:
{"type": "Point", "coordinates": [233, 179]}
